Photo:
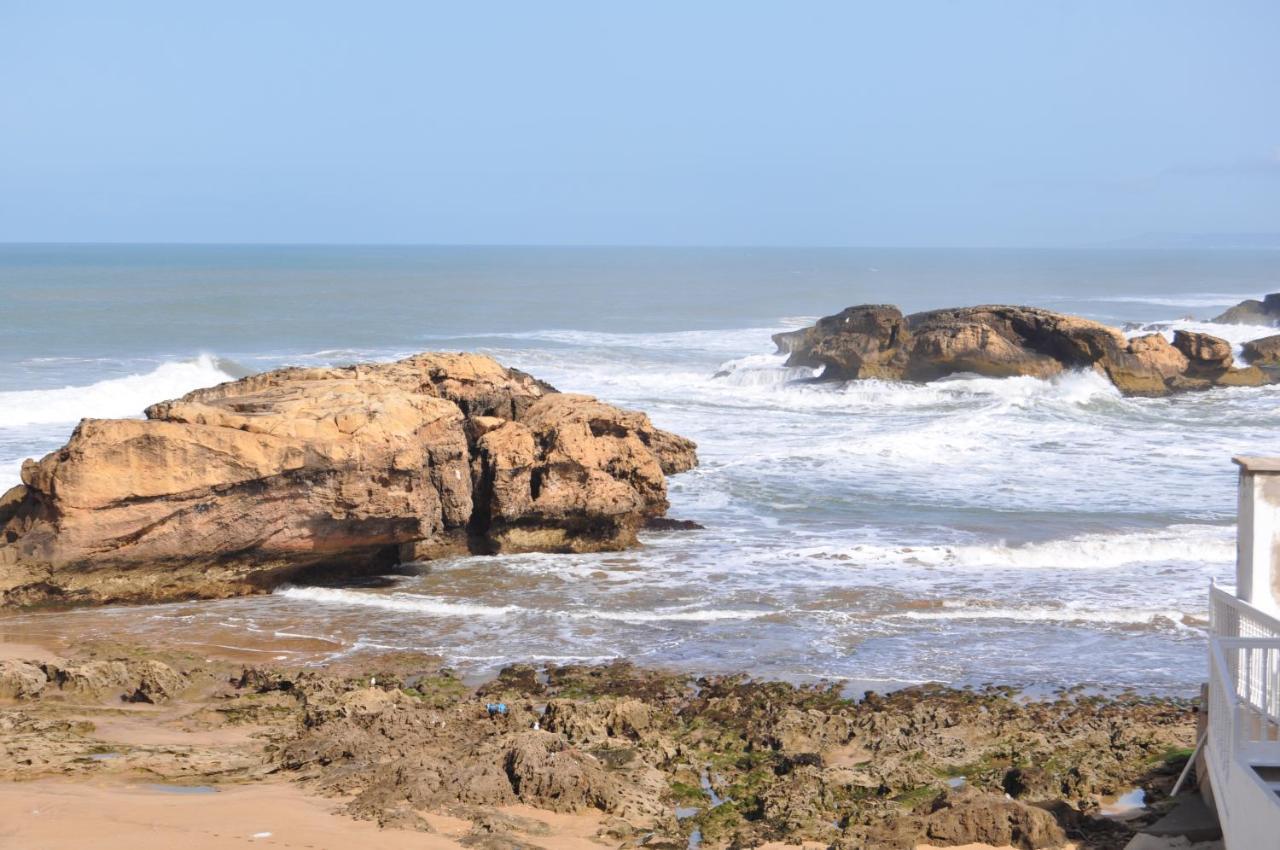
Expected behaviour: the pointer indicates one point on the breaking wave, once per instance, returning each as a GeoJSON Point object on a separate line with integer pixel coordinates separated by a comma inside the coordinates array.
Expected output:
{"type": "Point", "coordinates": [114, 397]}
{"type": "Point", "coordinates": [1214, 544]}
{"type": "Point", "coordinates": [1169, 618]}
{"type": "Point", "coordinates": [434, 606]}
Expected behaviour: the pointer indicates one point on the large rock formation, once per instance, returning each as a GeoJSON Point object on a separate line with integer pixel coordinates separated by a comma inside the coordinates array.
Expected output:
{"type": "Point", "coordinates": [877, 341]}
{"type": "Point", "coordinates": [242, 486]}
{"type": "Point", "coordinates": [1252, 312]}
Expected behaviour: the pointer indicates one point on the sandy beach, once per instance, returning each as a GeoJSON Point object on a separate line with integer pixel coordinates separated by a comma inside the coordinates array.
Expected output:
{"type": "Point", "coordinates": [58, 815]}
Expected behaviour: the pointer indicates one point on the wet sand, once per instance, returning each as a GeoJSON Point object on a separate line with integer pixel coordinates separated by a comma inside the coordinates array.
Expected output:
{"type": "Point", "coordinates": [63, 815]}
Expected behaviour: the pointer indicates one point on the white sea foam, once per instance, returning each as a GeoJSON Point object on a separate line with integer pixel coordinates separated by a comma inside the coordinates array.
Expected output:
{"type": "Point", "coordinates": [682, 616]}
{"type": "Point", "coordinates": [1050, 614]}
{"type": "Point", "coordinates": [1213, 544]}
{"type": "Point", "coordinates": [410, 603]}
{"type": "Point", "coordinates": [1189, 300]}
{"type": "Point", "coordinates": [434, 606]}
{"type": "Point", "coordinates": [729, 341]}
{"type": "Point", "coordinates": [110, 398]}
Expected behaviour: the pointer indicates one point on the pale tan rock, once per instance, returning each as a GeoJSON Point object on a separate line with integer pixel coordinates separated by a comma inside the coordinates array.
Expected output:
{"type": "Point", "coordinates": [239, 487]}
{"type": "Point", "coordinates": [1146, 366]}
{"type": "Point", "coordinates": [1206, 353]}
{"type": "Point", "coordinates": [20, 680]}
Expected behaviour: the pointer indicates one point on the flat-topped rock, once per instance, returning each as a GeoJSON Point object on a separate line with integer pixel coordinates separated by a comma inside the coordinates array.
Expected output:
{"type": "Point", "coordinates": [239, 487]}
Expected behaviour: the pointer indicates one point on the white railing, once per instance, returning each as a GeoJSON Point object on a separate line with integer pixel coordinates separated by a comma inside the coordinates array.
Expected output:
{"type": "Point", "coordinates": [1230, 617]}
{"type": "Point", "coordinates": [1222, 735]}
{"type": "Point", "coordinates": [1244, 718]}
{"type": "Point", "coordinates": [1247, 670]}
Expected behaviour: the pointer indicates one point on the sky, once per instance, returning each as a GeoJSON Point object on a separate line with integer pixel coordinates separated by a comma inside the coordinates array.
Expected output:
{"type": "Point", "coordinates": [903, 123]}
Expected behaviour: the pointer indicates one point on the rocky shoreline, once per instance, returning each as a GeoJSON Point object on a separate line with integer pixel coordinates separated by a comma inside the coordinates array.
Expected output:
{"type": "Point", "coordinates": [651, 757]}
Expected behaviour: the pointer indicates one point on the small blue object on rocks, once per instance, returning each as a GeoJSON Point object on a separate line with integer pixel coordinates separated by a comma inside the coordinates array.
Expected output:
{"type": "Point", "coordinates": [496, 708]}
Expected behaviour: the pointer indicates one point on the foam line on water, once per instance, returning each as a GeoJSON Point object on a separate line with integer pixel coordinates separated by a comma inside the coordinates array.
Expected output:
{"type": "Point", "coordinates": [111, 398]}
{"type": "Point", "coordinates": [404, 602]}
{"type": "Point", "coordinates": [1175, 543]}
{"type": "Point", "coordinates": [1050, 614]}
{"type": "Point", "coordinates": [1188, 300]}
{"type": "Point", "coordinates": [434, 606]}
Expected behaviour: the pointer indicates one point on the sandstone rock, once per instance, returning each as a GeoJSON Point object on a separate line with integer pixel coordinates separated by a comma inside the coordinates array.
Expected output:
{"type": "Point", "coordinates": [1259, 352]}
{"type": "Point", "coordinates": [596, 722]}
{"type": "Point", "coordinates": [1252, 312]}
{"type": "Point", "coordinates": [1000, 341]}
{"type": "Point", "coordinates": [237, 488]}
{"type": "Point", "coordinates": [1206, 354]}
{"type": "Point", "coordinates": [1250, 376]}
{"type": "Point", "coordinates": [132, 680]}
{"type": "Point", "coordinates": [20, 680]}
{"type": "Point", "coordinates": [869, 341]}
{"type": "Point", "coordinates": [545, 772]}
{"type": "Point", "coordinates": [992, 820]}
{"type": "Point", "coordinates": [1146, 366]}
{"type": "Point", "coordinates": [873, 341]}
{"type": "Point", "coordinates": [156, 682]}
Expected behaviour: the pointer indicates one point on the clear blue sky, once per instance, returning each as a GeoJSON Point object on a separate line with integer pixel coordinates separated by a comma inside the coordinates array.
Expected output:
{"type": "Point", "coordinates": [798, 123]}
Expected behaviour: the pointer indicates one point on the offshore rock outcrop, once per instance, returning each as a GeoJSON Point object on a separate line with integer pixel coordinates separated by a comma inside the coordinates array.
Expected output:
{"type": "Point", "coordinates": [239, 487]}
{"type": "Point", "coordinates": [1252, 312]}
{"type": "Point", "coordinates": [878, 341]}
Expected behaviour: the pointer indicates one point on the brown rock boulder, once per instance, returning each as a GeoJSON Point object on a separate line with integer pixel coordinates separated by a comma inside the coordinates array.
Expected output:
{"type": "Point", "coordinates": [1205, 354]}
{"type": "Point", "coordinates": [1259, 352]}
{"type": "Point", "coordinates": [1146, 366]}
{"type": "Point", "coordinates": [985, 819]}
{"type": "Point", "coordinates": [574, 475]}
{"type": "Point", "coordinates": [20, 679]}
{"type": "Point", "coordinates": [237, 488]}
{"type": "Point", "coordinates": [868, 341]}
{"type": "Point", "coordinates": [874, 341]}
{"type": "Point", "coordinates": [1001, 341]}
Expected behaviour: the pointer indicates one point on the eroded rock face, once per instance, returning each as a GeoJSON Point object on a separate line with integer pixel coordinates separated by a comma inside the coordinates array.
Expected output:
{"type": "Point", "coordinates": [236, 488]}
{"type": "Point", "coordinates": [876, 341]}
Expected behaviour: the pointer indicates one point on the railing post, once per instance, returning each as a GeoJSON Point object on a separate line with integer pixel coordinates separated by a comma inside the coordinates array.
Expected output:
{"type": "Point", "coordinates": [1258, 535]}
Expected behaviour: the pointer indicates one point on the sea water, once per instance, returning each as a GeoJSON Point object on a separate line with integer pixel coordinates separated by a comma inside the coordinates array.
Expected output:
{"type": "Point", "coordinates": [971, 530]}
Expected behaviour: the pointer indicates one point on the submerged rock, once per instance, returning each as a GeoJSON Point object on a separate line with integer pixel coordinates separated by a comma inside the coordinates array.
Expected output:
{"type": "Point", "coordinates": [239, 487]}
{"type": "Point", "coordinates": [876, 341]}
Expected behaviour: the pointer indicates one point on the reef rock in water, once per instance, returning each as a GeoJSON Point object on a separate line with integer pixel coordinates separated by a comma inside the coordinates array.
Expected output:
{"type": "Point", "coordinates": [878, 341]}
{"type": "Point", "coordinates": [237, 488]}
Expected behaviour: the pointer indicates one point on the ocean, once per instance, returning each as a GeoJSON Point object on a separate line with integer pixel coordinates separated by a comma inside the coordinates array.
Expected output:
{"type": "Point", "coordinates": [1020, 531]}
